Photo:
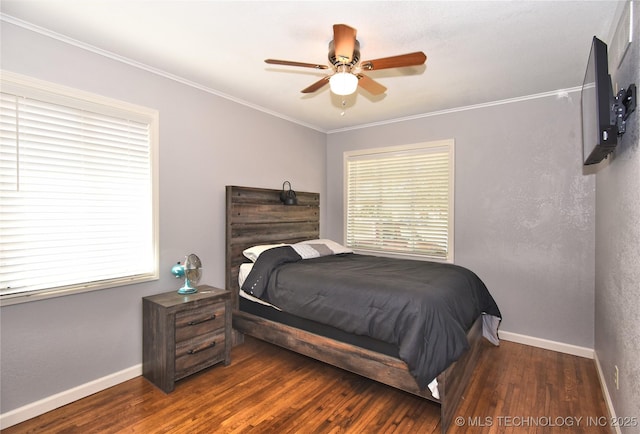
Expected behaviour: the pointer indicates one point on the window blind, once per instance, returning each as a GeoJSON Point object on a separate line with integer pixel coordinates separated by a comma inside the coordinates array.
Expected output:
{"type": "Point", "coordinates": [76, 195]}
{"type": "Point", "coordinates": [400, 201]}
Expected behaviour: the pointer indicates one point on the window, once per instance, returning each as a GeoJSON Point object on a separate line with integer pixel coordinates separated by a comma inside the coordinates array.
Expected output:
{"type": "Point", "coordinates": [399, 200]}
{"type": "Point", "coordinates": [78, 191]}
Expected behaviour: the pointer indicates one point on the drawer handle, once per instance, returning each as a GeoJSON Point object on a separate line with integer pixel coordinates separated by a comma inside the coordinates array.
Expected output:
{"type": "Point", "coordinates": [211, 318]}
{"type": "Point", "coordinates": [197, 350]}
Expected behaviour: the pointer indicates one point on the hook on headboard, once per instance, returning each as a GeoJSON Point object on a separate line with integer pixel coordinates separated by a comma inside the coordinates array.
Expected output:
{"type": "Point", "coordinates": [288, 197]}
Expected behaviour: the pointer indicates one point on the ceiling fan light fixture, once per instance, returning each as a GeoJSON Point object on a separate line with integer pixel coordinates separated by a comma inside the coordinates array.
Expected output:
{"type": "Point", "coordinates": [343, 83]}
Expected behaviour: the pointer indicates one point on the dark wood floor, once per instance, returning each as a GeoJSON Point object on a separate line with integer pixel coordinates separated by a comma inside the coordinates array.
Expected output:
{"type": "Point", "coordinates": [515, 389]}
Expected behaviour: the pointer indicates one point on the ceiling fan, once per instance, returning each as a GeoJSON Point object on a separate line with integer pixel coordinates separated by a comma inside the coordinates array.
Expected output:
{"type": "Point", "coordinates": [347, 70]}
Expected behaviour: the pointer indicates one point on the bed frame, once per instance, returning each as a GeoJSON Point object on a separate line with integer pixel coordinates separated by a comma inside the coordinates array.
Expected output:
{"type": "Point", "coordinates": [257, 216]}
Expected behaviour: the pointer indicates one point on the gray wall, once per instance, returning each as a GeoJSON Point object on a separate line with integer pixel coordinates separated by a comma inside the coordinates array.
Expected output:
{"type": "Point", "coordinates": [617, 260]}
{"type": "Point", "coordinates": [524, 212]}
{"type": "Point", "coordinates": [206, 142]}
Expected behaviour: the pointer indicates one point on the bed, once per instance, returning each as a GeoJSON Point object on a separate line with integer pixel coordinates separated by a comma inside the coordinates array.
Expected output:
{"type": "Point", "coordinates": [256, 216]}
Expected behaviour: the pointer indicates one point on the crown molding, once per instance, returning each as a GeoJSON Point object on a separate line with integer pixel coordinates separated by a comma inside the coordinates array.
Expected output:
{"type": "Point", "coordinates": [46, 32]}
{"type": "Point", "coordinates": [122, 59]}
{"type": "Point", "coordinates": [560, 93]}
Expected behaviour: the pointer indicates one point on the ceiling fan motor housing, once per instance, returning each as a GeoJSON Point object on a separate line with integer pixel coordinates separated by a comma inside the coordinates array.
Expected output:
{"type": "Point", "coordinates": [355, 58]}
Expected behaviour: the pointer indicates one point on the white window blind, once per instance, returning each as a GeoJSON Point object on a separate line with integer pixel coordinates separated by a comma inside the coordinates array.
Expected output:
{"type": "Point", "coordinates": [77, 197]}
{"type": "Point", "coordinates": [400, 200]}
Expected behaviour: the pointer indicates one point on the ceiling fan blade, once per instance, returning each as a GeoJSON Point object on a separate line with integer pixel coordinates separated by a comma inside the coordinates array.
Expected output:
{"type": "Point", "coordinates": [290, 63]}
{"type": "Point", "coordinates": [317, 85]}
{"type": "Point", "coordinates": [344, 42]}
{"type": "Point", "coordinates": [370, 85]}
{"type": "Point", "coordinates": [410, 59]}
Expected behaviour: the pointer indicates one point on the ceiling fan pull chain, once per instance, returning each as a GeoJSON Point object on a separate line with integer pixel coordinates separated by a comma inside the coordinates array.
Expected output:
{"type": "Point", "coordinates": [344, 107]}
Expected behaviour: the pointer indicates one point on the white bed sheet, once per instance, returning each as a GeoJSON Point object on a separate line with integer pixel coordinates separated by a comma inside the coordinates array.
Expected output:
{"type": "Point", "coordinates": [245, 269]}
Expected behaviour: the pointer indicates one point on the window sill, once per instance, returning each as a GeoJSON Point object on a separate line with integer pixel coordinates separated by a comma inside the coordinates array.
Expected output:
{"type": "Point", "coordinates": [8, 299]}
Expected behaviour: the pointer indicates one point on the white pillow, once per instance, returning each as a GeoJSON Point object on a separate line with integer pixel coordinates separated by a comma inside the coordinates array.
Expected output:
{"type": "Point", "coordinates": [252, 253]}
{"type": "Point", "coordinates": [245, 269]}
{"type": "Point", "coordinates": [322, 246]}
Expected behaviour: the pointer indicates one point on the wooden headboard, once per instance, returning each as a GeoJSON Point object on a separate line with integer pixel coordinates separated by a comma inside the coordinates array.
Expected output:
{"type": "Point", "coordinates": [257, 216]}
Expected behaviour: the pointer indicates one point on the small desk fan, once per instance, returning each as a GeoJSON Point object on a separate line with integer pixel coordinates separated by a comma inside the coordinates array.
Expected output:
{"type": "Point", "coordinates": [191, 270]}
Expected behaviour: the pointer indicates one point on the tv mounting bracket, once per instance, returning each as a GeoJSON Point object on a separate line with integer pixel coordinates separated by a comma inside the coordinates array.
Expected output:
{"type": "Point", "coordinates": [624, 104]}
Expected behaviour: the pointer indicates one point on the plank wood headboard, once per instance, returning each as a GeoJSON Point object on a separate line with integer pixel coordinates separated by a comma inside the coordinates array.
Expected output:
{"type": "Point", "coordinates": [257, 216]}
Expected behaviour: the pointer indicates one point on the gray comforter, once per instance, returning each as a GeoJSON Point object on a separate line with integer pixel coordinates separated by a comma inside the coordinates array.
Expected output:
{"type": "Point", "coordinates": [425, 308]}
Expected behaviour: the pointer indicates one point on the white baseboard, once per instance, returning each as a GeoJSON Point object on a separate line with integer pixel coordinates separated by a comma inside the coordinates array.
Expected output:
{"type": "Point", "coordinates": [605, 392]}
{"type": "Point", "coordinates": [547, 344]}
{"type": "Point", "coordinates": [52, 402]}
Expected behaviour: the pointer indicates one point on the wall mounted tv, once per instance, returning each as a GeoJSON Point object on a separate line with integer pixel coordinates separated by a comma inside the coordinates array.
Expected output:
{"type": "Point", "coordinates": [603, 113]}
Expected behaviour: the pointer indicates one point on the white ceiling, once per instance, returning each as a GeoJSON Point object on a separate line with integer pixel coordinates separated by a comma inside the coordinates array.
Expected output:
{"type": "Point", "coordinates": [477, 51]}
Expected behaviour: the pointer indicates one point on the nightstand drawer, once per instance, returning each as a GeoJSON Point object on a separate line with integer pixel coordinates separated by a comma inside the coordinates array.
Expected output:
{"type": "Point", "coordinates": [195, 354]}
{"type": "Point", "coordinates": [197, 322]}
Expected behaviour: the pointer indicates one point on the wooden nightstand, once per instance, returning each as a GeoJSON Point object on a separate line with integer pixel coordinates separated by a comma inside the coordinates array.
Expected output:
{"type": "Point", "coordinates": [183, 334]}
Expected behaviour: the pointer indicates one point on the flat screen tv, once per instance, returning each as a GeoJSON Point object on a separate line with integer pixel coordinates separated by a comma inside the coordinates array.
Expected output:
{"type": "Point", "coordinates": [599, 133]}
